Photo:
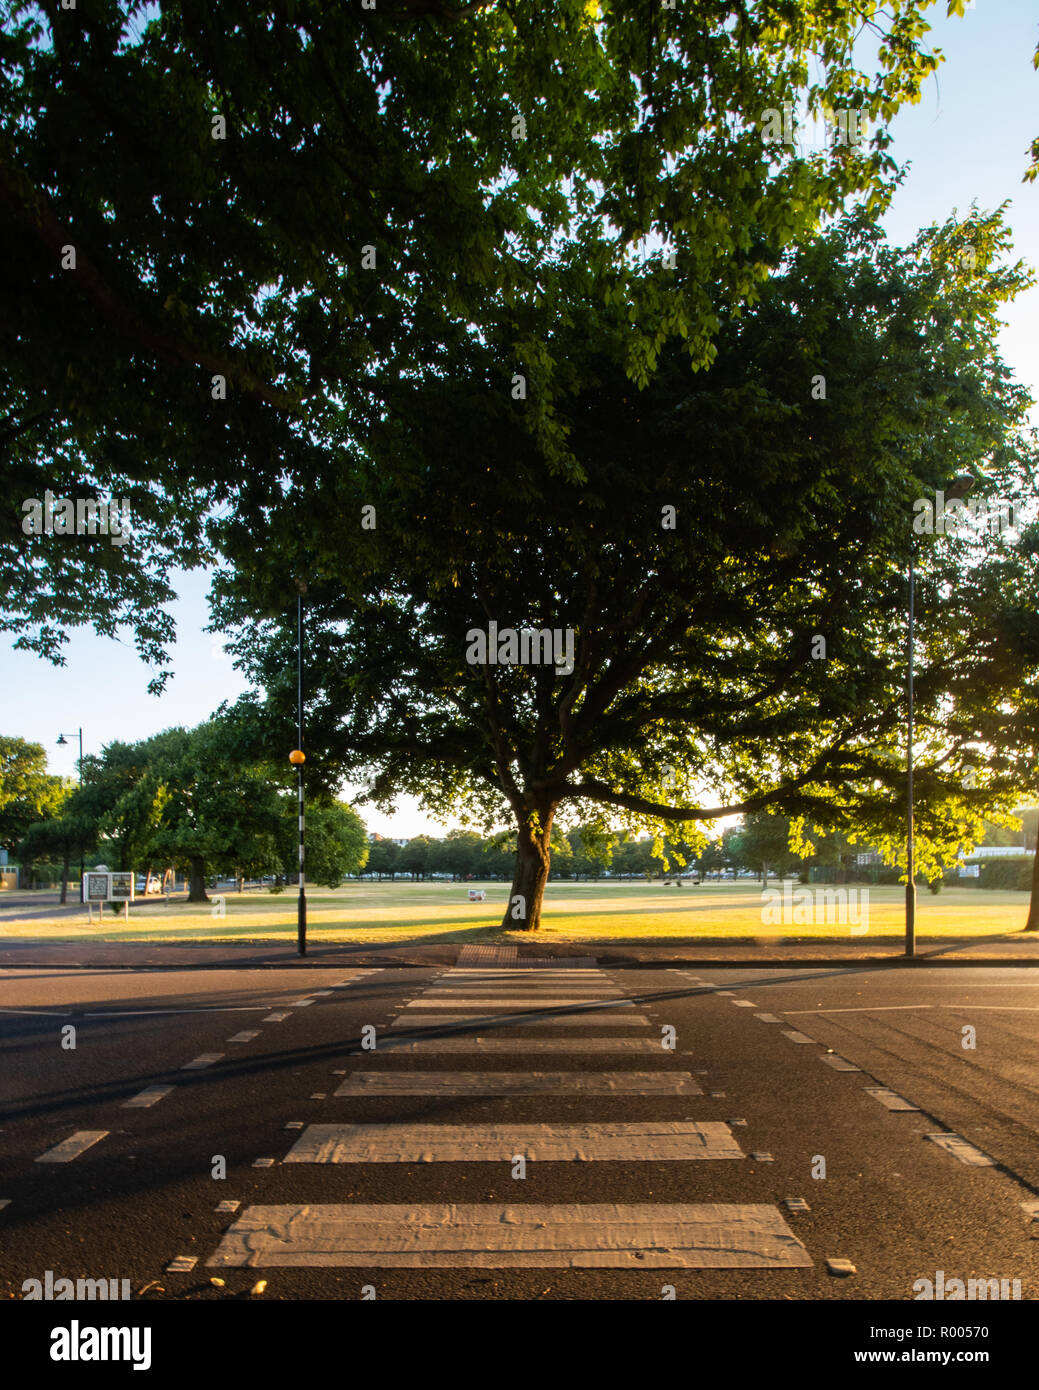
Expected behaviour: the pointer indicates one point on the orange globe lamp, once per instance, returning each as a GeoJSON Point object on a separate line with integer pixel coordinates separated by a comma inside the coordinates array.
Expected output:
{"type": "Point", "coordinates": [297, 756]}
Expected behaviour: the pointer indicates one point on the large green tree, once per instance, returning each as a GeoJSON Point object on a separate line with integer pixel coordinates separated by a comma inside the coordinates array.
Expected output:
{"type": "Point", "coordinates": [336, 843]}
{"type": "Point", "coordinates": [731, 564]}
{"type": "Point", "coordinates": [62, 835]}
{"type": "Point", "coordinates": [226, 230]}
{"type": "Point", "coordinates": [28, 792]}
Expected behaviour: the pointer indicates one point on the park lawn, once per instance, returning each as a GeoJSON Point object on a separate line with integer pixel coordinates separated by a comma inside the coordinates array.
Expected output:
{"type": "Point", "coordinates": [388, 913]}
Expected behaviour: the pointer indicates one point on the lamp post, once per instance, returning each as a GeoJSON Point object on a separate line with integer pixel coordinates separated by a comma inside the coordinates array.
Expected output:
{"type": "Point", "coordinates": [62, 740]}
{"type": "Point", "coordinates": [956, 491]}
{"type": "Point", "coordinates": [297, 757]}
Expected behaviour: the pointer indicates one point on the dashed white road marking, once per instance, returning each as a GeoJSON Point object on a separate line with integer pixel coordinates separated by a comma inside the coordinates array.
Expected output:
{"type": "Point", "coordinates": [838, 1063]}
{"type": "Point", "coordinates": [475, 1043]}
{"type": "Point", "coordinates": [299, 1003]}
{"type": "Point", "coordinates": [206, 1059]}
{"type": "Point", "coordinates": [517, 1083]}
{"type": "Point", "coordinates": [182, 1264]}
{"type": "Point", "coordinates": [889, 1099]}
{"type": "Point", "coordinates": [147, 1097]}
{"type": "Point", "coordinates": [524, 1235]}
{"type": "Point", "coordinates": [768, 1018]}
{"type": "Point", "coordinates": [277, 1017]}
{"type": "Point", "coordinates": [73, 1146]}
{"type": "Point", "coordinates": [264, 1162]}
{"type": "Point", "coordinates": [247, 1036]}
{"type": "Point", "coordinates": [744, 1004]}
{"type": "Point", "coordinates": [795, 1036]}
{"type": "Point", "coordinates": [956, 1145]}
{"type": "Point", "coordinates": [227, 1206]}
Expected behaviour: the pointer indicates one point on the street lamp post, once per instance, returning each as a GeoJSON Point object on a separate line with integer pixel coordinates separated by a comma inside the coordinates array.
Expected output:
{"type": "Point", "coordinates": [297, 757]}
{"type": "Point", "coordinates": [910, 864]}
{"type": "Point", "coordinates": [63, 740]}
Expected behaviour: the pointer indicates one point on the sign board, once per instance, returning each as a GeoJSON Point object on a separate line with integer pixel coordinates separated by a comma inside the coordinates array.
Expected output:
{"type": "Point", "coordinates": [970, 871]}
{"type": "Point", "coordinates": [105, 887]}
{"type": "Point", "coordinates": [3, 856]}
{"type": "Point", "coordinates": [477, 895]}
{"type": "Point", "coordinates": [121, 887]}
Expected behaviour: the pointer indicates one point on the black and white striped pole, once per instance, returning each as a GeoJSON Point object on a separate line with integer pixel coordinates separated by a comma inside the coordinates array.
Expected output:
{"type": "Point", "coordinates": [297, 757]}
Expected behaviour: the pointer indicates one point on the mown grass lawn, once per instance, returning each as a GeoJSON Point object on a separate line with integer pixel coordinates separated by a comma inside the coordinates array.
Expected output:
{"type": "Point", "coordinates": [385, 913]}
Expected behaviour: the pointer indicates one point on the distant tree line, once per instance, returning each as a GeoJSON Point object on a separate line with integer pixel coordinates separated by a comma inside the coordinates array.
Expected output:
{"type": "Point", "coordinates": [759, 844]}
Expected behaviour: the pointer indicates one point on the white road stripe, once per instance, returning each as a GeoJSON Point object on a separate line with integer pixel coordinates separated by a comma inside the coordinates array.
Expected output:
{"type": "Point", "coordinates": [146, 1013]}
{"type": "Point", "coordinates": [73, 1146]}
{"type": "Point", "coordinates": [523, 986]}
{"type": "Point", "coordinates": [889, 1099]}
{"type": "Point", "coordinates": [276, 1018]}
{"type": "Point", "coordinates": [147, 1097]}
{"type": "Point", "coordinates": [247, 1036]}
{"type": "Point", "coordinates": [205, 1060]}
{"type": "Point", "coordinates": [42, 1013]}
{"type": "Point", "coordinates": [424, 1002]}
{"type": "Point", "coordinates": [523, 1235]}
{"type": "Point", "coordinates": [519, 1083]}
{"type": "Point", "coordinates": [865, 1009]}
{"type": "Point", "coordinates": [768, 1018]}
{"type": "Point", "coordinates": [956, 1145]}
{"type": "Point", "coordinates": [475, 1043]}
{"type": "Point", "coordinates": [796, 1037]}
{"type": "Point", "coordinates": [660, 1141]}
{"type": "Point", "coordinates": [525, 1020]}
{"type": "Point", "coordinates": [1007, 1008]}
{"type": "Point", "coordinates": [838, 1063]}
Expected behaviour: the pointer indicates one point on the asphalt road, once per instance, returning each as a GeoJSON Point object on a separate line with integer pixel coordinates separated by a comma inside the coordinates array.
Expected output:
{"type": "Point", "coordinates": [646, 1150]}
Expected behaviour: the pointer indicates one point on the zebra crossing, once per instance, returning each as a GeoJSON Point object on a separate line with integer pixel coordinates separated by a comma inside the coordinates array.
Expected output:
{"type": "Point", "coordinates": [486, 1008]}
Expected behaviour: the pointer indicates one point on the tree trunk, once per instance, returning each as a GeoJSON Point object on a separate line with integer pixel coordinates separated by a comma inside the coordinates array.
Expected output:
{"type": "Point", "coordinates": [764, 877]}
{"type": "Point", "coordinates": [197, 882]}
{"type": "Point", "coordinates": [533, 857]}
{"type": "Point", "coordinates": [1033, 905]}
{"type": "Point", "coordinates": [65, 878]}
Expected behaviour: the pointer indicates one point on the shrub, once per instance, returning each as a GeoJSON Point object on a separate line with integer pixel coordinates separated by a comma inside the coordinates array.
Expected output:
{"type": "Point", "coordinates": [1012, 873]}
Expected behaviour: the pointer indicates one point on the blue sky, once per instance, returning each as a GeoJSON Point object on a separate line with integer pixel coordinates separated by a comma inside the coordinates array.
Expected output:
{"type": "Point", "coordinates": [967, 140]}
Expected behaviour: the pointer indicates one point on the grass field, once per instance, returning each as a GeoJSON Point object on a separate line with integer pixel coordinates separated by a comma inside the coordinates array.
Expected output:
{"type": "Point", "coordinates": [383, 913]}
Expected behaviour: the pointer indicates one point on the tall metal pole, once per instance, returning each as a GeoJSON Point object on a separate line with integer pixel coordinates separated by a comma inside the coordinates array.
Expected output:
{"type": "Point", "coordinates": [81, 788]}
{"type": "Point", "coordinates": [910, 862]}
{"type": "Point", "coordinates": [301, 929]}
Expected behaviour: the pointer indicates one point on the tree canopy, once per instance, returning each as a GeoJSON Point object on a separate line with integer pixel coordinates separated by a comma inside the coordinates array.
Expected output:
{"type": "Point", "coordinates": [228, 229]}
{"type": "Point", "coordinates": [731, 567]}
